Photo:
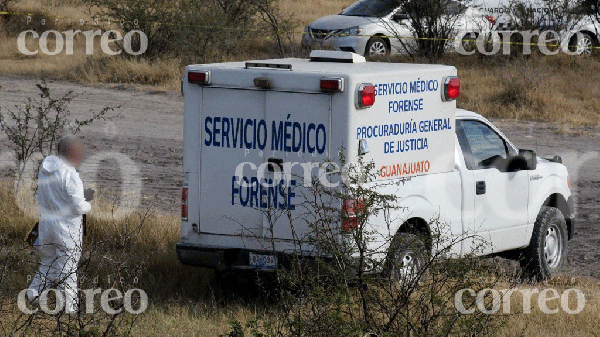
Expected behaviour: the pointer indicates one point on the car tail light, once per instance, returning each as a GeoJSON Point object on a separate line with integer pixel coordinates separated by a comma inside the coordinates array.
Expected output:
{"type": "Point", "coordinates": [332, 84]}
{"type": "Point", "coordinates": [366, 95]}
{"type": "Point", "coordinates": [199, 77]}
{"type": "Point", "coordinates": [184, 203]}
{"type": "Point", "coordinates": [491, 19]}
{"type": "Point", "coordinates": [350, 212]}
{"type": "Point", "coordinates": [451, 88]}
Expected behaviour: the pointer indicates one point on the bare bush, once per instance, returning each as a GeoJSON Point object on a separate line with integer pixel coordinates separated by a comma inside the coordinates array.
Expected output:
{"type": "Point", "coordinates": [198, 29]}
{"type": "Point", "coordinates": [431, 22]}
{"type": "Point", "coordinates": [36, 126]}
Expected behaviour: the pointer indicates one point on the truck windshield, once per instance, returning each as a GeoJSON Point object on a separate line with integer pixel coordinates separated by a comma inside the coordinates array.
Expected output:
{"type": "Point", "coordinates": [371, 8]}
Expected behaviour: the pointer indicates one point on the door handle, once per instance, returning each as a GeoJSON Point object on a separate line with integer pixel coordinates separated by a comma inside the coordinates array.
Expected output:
{"type": "Point", "coordinates": [480, 187]}
{"type": "Point", "coordinates": [275, 164]}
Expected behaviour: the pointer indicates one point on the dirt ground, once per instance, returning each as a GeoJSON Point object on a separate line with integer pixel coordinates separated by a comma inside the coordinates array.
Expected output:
{"type": "Point", "coordinates": [148, 138]}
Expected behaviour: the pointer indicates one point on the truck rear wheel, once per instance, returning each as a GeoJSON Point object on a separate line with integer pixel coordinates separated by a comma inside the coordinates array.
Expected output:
{"type": "Point", "coordinates": [547, 251]}
{"type": "Point", "coordinates": [407, 258]}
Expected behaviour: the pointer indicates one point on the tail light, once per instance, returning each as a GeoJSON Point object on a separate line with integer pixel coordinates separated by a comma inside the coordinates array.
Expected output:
{"type": "Point", "coordinates": [199, 77]}
{"type": "Point", "coordinates": [351, 209]}
{"type": "Point", "coordinates": [366, 95]}
{"type": "Point", "coordinates": [451, 88]}
{"type": "Point", "coordinates": [184, 203]}
{"type": "Point", "coordinates": [491, 19]}
{"type": "Point", "coordinates": [332, 84]}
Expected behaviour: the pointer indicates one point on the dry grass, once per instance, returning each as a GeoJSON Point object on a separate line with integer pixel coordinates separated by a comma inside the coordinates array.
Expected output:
{"type": "Point", "coordinates": [198, 320]}
{"type": "Point", "coordinates": [561, 89]}
{"type": "Point", "coordinates": [181, 302]}
{"type": "Point", "coordinates": [561, 323]}
{"type": "Point", "coordinates": [305, 12]}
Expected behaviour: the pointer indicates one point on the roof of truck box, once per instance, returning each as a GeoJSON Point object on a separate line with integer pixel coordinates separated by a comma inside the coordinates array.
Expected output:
{"type": "Point", "coordinates": [308, 66]}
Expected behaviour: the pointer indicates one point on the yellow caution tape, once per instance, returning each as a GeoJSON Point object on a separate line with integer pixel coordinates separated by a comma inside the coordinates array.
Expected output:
{"type": "Point", "coordinates": [12, 13]}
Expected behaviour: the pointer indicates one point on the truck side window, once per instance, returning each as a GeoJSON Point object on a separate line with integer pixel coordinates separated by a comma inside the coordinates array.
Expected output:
{"type": "Point", "coordinates": [480, 144]}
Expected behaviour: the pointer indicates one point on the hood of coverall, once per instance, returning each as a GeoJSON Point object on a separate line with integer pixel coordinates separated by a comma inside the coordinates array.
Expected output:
{"type": "Point", "coordinates": [51, 164]}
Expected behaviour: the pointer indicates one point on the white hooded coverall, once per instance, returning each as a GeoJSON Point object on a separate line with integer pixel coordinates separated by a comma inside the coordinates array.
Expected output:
{"type": "Point", "coordinates": [61, 203]}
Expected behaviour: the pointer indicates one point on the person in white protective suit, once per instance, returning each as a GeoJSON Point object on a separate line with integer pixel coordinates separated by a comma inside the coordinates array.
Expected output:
{"type": "Point", "coordinates": [62, 201]}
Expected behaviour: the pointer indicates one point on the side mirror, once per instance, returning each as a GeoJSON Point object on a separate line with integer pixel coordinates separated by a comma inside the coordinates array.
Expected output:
{"type": "Point", "coordinates": [514, 164]}
{"type": "Point", "coordinates": [530, 158]}
{"type": "Point", "coordinates": [526, 160]}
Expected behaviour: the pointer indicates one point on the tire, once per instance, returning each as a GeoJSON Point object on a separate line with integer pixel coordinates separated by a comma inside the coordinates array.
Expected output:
{"type": "Point", "coordinates": [468, 42]}
{"type": "Point", "coordinates": [546, 254]}
{"type": "Point", "coordinates": [406, 260]}
{"type": "Point", "coordinates": [376, 46]}
{"type": "Point", "coordinates": [583, 44]}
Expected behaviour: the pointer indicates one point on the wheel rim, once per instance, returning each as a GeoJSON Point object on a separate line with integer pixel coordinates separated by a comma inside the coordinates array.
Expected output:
{"type": "Point", "coordinates": [407, 268]}
{"type": "Point", "coordinates": [377, 48]}
{"type": "Point", "coordinates": [585, 46]}
{"type": "Point", "coordinates": [553, 246]}
{"type": "Point", "coordinates": [468, 42]}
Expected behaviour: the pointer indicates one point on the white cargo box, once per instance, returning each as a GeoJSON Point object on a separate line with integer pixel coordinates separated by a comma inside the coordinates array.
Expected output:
{"type": "Point", "coordinates": [241, 115]}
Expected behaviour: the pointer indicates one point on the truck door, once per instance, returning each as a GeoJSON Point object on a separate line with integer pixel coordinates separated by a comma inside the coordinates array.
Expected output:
{"type": "Point", "coordinates": [300, 124]}
{"type": "Point", "coordinates": [500, 198]}
{"type": "Point", "coordinates": [230, 140]}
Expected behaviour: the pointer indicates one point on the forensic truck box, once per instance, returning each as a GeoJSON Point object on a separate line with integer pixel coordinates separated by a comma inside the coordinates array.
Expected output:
{"type": "Point", "coordinates": [246, 122]}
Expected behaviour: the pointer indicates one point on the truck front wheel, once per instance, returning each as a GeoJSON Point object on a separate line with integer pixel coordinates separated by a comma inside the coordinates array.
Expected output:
{"type": "Point", "coordinates": [547, 251]}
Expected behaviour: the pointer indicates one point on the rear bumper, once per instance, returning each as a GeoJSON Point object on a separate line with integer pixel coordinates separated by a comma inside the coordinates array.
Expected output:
{"type": "Point", "coordinates": [222, 258]}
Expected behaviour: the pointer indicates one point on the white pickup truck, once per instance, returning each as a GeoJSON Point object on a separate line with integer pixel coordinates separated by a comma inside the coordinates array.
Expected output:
{"type": "Point", "coordinates": [242, 119]}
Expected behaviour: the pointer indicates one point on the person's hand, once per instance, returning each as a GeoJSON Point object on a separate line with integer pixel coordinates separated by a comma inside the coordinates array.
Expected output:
{"type": "Point", "coordinates": [88, 194]}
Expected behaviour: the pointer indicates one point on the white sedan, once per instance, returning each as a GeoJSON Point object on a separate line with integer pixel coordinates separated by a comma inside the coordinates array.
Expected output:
{"type": "Point", "coordinates": [378, 27]}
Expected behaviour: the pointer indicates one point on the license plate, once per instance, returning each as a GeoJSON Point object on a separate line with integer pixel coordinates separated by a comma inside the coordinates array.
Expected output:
{"type": "Point", "coordinates": [263, 261]}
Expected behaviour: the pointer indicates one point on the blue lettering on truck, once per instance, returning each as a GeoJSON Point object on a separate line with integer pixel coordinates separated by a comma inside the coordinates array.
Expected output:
{"type": "Point", "coordinates": [401, 88]}
{"type": "Point", "coordinates": [266, 194]}
{"type": "Point", "coordinates": [410, 127]}
{"type": "Point", "coordinates": [408, 104]}
{"type": "Point", "coordinates": [287, 136]}
{"type": "Point", "coordinates": [413, 134]}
